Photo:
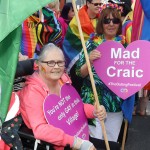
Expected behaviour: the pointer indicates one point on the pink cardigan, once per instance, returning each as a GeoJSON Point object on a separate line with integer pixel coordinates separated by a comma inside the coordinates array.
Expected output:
{"type": "Point", "coordinates": [31, 108]}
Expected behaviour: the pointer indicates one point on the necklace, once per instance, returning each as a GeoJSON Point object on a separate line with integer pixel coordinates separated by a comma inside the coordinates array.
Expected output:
{"type": "Point", "coordinates": [98, 39]}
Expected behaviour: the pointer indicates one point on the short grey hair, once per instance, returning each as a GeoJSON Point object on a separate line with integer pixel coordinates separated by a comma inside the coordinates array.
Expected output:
{"type": "Point", "coordinates": [45, 49]}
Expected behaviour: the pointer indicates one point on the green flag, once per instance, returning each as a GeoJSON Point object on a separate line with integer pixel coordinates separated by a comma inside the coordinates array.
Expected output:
{"type": "Point", "coordinates": [12, 14]}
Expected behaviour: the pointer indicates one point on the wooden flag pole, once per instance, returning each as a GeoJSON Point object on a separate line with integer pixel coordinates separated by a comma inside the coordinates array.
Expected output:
{"type": "Point", "coordinates": [90, 73]}
{"type": "Point", "coordinates": [124, 135]}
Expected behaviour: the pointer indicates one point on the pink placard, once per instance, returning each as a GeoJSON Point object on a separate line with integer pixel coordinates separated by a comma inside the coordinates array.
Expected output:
{"type": "Point", "coordinates": [67, 112]}
{"type": "Point", "coordinates": [124, 70]}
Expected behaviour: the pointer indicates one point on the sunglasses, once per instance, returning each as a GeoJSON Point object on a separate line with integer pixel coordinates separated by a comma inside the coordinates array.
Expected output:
{"type": "Point", "coordinates": [114, 20]}
{"type": "Point", "coordinates": [97, 4]}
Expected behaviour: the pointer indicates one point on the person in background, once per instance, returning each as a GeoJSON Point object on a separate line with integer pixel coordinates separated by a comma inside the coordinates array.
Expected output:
{"type": "Point", "coordinates": [66, 15]}
{"type": "Point", "coordinates": [72, 46]}
{"type": "Point", "coordinates": [143, 100]}
{"type": "Point", "coordinates": [48, 79]}
{"type": "Point", "coordinates": [109, 27]}
{"type": "Point", "coordinates": [54, 6]}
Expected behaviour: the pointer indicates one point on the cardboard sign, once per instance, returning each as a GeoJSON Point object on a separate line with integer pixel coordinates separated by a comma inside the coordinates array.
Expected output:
{"type": "Point", "coordinates": [67, 112]}
{"type": "Point", "coordinates": [124, 70]}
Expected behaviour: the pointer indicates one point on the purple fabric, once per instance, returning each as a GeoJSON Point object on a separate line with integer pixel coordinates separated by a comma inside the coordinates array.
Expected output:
{"type": "Point", "coordinates": [64, 26]}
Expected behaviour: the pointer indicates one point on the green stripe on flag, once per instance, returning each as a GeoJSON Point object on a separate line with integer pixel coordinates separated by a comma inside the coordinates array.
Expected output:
{"type": "Point", "coordinates": [9, 49]}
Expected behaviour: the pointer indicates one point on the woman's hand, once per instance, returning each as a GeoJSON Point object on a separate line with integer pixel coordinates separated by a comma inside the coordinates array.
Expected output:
{"type": "Point", "coordinates": [93, 55]}
{"type": "Point", "coordinates": [92, 148]}
{"type": "Point", "coordinates": [22, 57]}
{"type": "Point", "coordinates": [100, 112]}
{"type": "Point", "coordinates": [80, 144]}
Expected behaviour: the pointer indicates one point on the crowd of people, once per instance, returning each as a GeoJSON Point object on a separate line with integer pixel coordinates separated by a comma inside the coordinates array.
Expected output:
{"type": "Point", "coordinates": [59, 60]}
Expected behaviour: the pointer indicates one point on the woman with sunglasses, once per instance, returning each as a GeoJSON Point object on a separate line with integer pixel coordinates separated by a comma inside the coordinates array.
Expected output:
{"type": "Point", "coordinates": [108, 28]}
{"type": "Point", "coordinates": [48, 79]}
{"type": "Point", "coordinates": [72, 46]}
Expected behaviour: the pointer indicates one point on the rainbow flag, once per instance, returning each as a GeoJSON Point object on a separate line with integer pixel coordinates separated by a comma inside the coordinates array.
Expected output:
{"type": "Point", "coordinates": [141, 20]}
{"type": "Point", "coordinates": [29, 38]}
{"type": "Point", "coordinates": [49, 30]}
{"type": "Point", "coordinates": [137, 21]}
{"type": "Point", "coordinates": [36, 33]}
{"type": "Point", "coordinates": [141, 26]}
{"type": "Point", "coordinates": [140, 30]}
{"type": "Point", "coordinates": [127, 30]}
{"type": "Point", "coordinates": [72, 43]}
{"type": "Point", "coordinates": [145, 32]}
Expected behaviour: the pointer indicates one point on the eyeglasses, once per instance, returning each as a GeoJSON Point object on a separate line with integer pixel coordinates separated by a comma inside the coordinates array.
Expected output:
{"type": "Point", "coordinates": [114, 20]}
{"type": "Point", "coordinates": [52, 63]}
{"type": "Point", "coordinates": [96, 4]}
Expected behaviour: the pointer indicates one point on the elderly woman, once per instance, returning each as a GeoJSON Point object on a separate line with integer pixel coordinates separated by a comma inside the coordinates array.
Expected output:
{"type": "Point", "coordinates": [108, 28]}
{"type": "Point", "coordinates": [48, 79]}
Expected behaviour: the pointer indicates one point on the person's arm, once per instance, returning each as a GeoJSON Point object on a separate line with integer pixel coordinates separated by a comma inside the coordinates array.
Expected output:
{"type": "Point", "coordinates": [81, 66]}
{"type": "Point", "coordinates": [93, 55]}
{"type": "Point", "coordinates": [93, 112]}
{"type": "Point", "coordinates": [22, 57]}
